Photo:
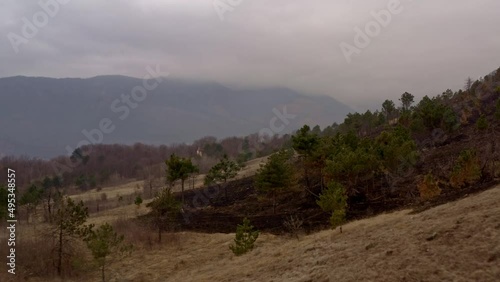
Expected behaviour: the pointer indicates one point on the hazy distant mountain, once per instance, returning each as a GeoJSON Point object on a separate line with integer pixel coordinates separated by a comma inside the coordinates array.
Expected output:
{"type": "Point", "coordinates": [42, 116]}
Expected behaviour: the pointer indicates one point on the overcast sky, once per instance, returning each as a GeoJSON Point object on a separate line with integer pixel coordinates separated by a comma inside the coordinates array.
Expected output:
{"type": "Point", "coordinates": [427, 47]}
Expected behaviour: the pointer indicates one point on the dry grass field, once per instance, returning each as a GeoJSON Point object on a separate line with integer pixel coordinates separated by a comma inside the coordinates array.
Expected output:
{"type": "Point", "coordinates": [135, 187]}
{"type": "Point", "coordinates": [457, 241]}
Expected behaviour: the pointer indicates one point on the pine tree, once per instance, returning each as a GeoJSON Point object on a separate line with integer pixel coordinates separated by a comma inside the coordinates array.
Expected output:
{"type": "Point", "coordinates": [165, 209]}
{"type": "Point", "coordinates": [179, 169]}
{"type": "Point", "coordinates": [407, 100]}
{"type": "Point", "coordinates": [334, 201]}
{"type": "Point", "coordinates": [245, 238]}
{"type": "Point", "coordinates": [276, 175]}
{"type": "Point", "coordinates": [69, 222]}
{"type": "Point", "coordinates": [222, 172]}
{"type": "Point", "coordinates": [31, 199]}
{"type": "Point", "coordinates": [388, 108]}
{"type": "Point", "coordinates": [102, 243]}
{"type": "Point", "coordinates": [305, 142]}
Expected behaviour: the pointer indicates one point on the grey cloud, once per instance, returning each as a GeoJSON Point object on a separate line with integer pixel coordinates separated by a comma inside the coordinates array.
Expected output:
{"type": "Point", "coordinates": [429, 47]}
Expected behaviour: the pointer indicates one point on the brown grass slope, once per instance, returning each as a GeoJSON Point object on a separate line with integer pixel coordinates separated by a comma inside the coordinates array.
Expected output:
{"type": "Point", "coordinates": [457, 241]}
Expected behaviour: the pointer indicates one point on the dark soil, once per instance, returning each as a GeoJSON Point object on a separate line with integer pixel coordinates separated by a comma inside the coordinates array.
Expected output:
{"type": "Point", "coordinates": [207, 210]}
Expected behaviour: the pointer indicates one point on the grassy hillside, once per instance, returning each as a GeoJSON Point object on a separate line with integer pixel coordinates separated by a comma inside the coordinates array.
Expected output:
{"type": "Point", "coordinates": [457, 241]}
{"type": "Point", "coordinates": [368, 171]}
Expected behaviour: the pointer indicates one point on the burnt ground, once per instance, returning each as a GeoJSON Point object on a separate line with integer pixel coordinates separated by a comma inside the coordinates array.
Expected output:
{"type": "Point", "coordinates": [219, 214]}
{"type": "Point", "coordinates": [244, 201]}
{"type": "Point", "coordinates": [208, 210]}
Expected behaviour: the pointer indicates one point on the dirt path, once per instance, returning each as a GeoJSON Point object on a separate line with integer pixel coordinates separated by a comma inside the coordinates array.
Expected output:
{"type": "Point", "coordinates": [458, 241]}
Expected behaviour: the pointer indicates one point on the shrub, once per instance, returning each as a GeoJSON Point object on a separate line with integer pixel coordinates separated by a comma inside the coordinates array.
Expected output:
{"type": "Point", "coordinates": [482, 123]}
{"type": "Point", "coordinates": [466, 170]}
{"type": "Point", "coordinates": [334, 200]}
{"type": "Point", "coordinates": [429, 188]}
{"type": "Point", "coordinates": [293, 225]}
{"type": "Point", "coordinates": [138, 201]}
{"type": "Point", "coordinates": [245, 238]}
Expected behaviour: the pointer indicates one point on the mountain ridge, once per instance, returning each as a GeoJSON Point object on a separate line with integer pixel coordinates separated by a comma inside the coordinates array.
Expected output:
{"type": "Point", "coordinates": [42, 116]}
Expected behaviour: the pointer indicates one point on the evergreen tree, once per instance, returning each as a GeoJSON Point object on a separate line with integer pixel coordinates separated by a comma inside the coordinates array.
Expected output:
{"type": "Point", "coordinates": [223, 171]}
{"type": "Point", "coordinates": [305, 143]}
{"type": "Point", "coordinates": [179, 169]}
{"type": "Point", "coordinates": [245, 238]}
{"type": "Point", "coordinates": [407, 100]}
{"type": "Point", "coordinates": [165, 209]}
{"type": "Point", "coordinates": [334, 201]}
{"type": "Point", "coordinates": [388, 108]}
{"type": "Point", "coordinates": [31, 199]}
{"type": "Point", "coordinates": [276, 175]}
{"type": "Point", "coordinates": [104, 242]}
{"type": "Point", "coordinates": [69, 222]}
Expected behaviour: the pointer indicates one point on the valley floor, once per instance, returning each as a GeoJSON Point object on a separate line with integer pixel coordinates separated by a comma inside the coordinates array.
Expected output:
{"type": "Point", "coordinates": [457, 241]}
